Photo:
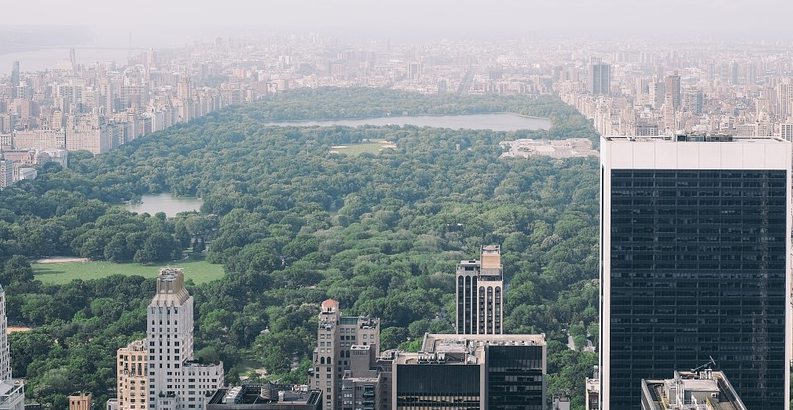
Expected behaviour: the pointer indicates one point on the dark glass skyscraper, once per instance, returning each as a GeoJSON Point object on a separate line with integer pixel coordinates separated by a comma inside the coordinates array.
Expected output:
{"type": "Point", "coordinates": [695, 239]}
{"type": "Point", "coordinates": [601, 79]}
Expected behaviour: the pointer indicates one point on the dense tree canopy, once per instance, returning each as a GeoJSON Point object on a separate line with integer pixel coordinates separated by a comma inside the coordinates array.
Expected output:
{"type": "Point", "coordinates": [294, 224]}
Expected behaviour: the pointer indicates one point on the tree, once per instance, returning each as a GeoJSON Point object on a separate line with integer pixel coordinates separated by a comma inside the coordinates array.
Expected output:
{"type": "Point", "coordinates": [158, 247]}
{"type": "Point", "coordinates": [17, 270]}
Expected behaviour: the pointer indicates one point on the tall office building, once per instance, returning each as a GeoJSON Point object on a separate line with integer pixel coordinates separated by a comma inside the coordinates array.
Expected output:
{"type": "Point", "coordinates": [472, 371]}
{"type": "Point", "coordinates": [695, 238]}
{"type": "Point", "coordinates": [672, 86]}
{"type": "Point", "coordinates": [14, 79]}
{"type": "Point", "coordinates": [480, 293]}
{"type": "Point", "coordinates": [175, 380]}
{"type": "Point", "coordinates": [12, 394]}
{"type": "Point", "coordinates": [601, 79]}
{"type": "Point", "coordinates": [339, 337]}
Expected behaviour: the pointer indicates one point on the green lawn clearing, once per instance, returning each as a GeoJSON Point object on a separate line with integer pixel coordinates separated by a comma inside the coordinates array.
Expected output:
{"type": "Point", "coordinates": [373, 146]}
{"type": "Point", "coordinates": [65, 272]}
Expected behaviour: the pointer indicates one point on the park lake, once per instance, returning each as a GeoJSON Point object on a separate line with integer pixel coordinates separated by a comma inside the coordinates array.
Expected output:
{"type": "Point", "coordinates": [164, 202]}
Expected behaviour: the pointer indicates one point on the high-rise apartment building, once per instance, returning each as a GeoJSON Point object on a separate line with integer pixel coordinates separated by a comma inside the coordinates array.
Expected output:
{"type": "Point", "coordinates": [337, 340]}
{"type": "Point", "coordinates": [695, 238]}
{"type": "Point", "coordinates": [784, 99]}
{"type": "Point", "coordinates": [480, 293]}
{"type": "Point", "coordinates": [601, 79]}
{"type": "Point", "coordinates": [12, 393]}
{"type": "Point", "coordinates": [6, 172]}
{"type": "Point", "coordinates": [175, 381]}
{"type": "Point", "coordinates": [131, 379]}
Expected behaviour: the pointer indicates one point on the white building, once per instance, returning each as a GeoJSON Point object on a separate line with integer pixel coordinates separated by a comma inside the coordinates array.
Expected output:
{"type": "Point", "coordinates": [175, 381]}
{"type": "Point", "coordinates": [12, 393]}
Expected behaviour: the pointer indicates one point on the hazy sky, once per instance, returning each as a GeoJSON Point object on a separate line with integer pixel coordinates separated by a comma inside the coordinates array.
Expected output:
{"type": "Point", "coordinates": [473, 18]}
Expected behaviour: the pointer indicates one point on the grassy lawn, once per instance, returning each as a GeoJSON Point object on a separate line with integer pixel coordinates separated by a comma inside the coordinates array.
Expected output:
{"type": "Point", "coordinates": [60, 273]}
{"type": "Point", "coordinates": [373, 146]}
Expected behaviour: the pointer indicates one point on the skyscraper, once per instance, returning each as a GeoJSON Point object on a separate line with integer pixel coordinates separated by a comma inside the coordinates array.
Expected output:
{"type": "Point", "coordinates": [175, 380]}
{"type": "Point", "coordinates": [694, 262]}
{"type": "Point", "coordinates": [672, 86]}
{"type": "Point", "coordinates": [601, 79]}
{"type": "Point", "coordinates": [14, 79]}
{"type": "Point", "coordinates": [12, 394]}
{"type": "Point", "coordinates": [480, 290]}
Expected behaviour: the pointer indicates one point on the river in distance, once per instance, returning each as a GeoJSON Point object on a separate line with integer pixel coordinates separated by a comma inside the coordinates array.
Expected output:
{"type": "Point", "coordinates": [495, 122]}
{"type": "Point", "coordinates": [52, 58]}
{"type": "Point", "coordinates": [164, 202]}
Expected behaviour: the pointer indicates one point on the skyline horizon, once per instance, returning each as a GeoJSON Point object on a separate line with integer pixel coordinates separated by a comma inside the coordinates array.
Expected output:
{"type": "Point", "coordinates": [412, 18]}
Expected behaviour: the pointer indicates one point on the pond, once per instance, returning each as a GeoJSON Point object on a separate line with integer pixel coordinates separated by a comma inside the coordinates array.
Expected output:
{"type": "Point", "coordinates": [165, 202]}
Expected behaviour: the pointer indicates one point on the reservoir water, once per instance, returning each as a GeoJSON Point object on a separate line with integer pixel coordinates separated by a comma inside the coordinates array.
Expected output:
{"type": "Point", "coordinates": [165, 202]}
{"type": "Point", "coordinates": [495, 122]}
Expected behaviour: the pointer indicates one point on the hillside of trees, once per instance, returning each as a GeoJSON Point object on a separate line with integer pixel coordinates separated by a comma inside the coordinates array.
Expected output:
{"type": "Point", "coordinates": [294, 224]}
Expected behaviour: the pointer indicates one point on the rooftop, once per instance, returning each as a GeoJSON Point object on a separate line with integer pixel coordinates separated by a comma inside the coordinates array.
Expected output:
{"type": "Point", "coordinates": [689, 390]}
{"type": "Point", "coordinates": [458, 343]}
{"type": "Point", "coordinates": [261, 394]}
{"type": "Point", "coordinates": [170, 288]}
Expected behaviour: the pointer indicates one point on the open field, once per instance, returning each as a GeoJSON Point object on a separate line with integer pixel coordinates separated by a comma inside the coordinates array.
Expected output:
{"type": "Point", "coordinates": [373, 146]}
{"type": "Point", "coordinates": [65, 272]}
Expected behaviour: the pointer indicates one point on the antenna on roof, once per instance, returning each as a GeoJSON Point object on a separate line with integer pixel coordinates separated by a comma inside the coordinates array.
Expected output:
{"type": "Point", "coordinates": [706, 365]}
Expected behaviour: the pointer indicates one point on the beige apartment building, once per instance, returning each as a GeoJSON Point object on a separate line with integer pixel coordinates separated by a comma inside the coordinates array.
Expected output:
{"type": "Point", "coordinates": [80, 401]}
{"type": "Point", "coordinates": [131, 376]}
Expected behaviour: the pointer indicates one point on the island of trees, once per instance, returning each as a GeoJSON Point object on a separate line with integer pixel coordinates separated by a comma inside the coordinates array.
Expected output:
{"type": "Point", "coordinates": [293, 224]}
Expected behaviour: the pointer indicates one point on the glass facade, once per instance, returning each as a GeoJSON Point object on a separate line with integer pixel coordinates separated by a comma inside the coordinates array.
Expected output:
{"type": "Point", "coordinates": [438, 386]}
{"type": "Point", "coordinates": [697, 270]}
{"type": "Point", "coordinates": [515, 378]}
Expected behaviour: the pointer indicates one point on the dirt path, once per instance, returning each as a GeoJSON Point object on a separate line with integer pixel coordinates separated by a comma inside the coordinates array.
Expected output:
{"type": "Point", "coordinates": [62, 259]}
